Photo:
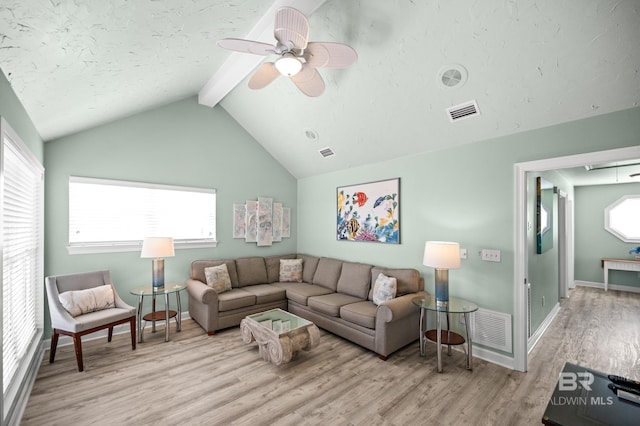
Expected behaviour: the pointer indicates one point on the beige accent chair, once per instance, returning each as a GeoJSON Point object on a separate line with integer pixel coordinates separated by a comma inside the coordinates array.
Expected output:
{"type": "Point", "coordinates": [63, 323]}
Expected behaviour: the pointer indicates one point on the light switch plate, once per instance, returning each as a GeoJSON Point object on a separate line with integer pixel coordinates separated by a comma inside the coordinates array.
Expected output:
{"type": "Point", "coordinates": [491, 255]}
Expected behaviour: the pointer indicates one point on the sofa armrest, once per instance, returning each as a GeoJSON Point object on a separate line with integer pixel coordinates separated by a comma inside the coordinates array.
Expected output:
{"type": "Point", "coordinates": [202, 292]}
{"type": "Point", "coordinates": [399, 307]}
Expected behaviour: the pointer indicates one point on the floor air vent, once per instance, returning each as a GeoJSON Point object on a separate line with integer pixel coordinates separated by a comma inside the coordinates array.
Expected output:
{"type": "Point", "coordinates": [462, 111]}
{"type": "Point", "coordinates": [492, 329]}
{"type": "Point", "coordinates": [326, 152]}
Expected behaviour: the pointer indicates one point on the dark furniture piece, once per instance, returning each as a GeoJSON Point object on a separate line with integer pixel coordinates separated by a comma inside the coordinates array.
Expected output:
{"type": "Point", "coordinates": [582, 397]}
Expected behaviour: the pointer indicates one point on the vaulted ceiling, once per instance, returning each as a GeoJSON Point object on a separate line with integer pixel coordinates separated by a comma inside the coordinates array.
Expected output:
{"type": "Point", "coordinates": [77, 64]}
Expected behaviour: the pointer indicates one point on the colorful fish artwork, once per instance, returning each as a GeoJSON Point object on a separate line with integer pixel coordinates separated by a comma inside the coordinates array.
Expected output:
{"type": "Point", "coordinates": [369, 212]}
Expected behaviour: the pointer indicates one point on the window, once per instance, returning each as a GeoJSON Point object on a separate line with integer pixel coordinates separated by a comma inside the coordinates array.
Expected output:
{"type": "Point", "coordinates": [110, 215]}
{"type": "Point", "coordinates": [621, 218]}
{"type": "Point", "coordinates": [22, 263]}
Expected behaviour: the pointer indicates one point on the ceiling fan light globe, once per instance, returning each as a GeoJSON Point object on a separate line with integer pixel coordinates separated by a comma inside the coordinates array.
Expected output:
{"type": "Point", "coordinates": [288, 65]}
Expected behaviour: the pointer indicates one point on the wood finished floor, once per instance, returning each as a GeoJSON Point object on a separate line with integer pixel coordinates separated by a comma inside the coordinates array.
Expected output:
{"type": "Point", "coordinates": [199, 380]}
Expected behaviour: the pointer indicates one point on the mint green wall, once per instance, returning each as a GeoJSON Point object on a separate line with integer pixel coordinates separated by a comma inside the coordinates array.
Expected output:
{"type": "Point", "coordinates": [13, 112]}
{"type": "Point", "coordinates": [592, 241]}
{"type": "Point", "coordinates": [463, 194]}
{"type": "Point", "coordinates": [182, 143]}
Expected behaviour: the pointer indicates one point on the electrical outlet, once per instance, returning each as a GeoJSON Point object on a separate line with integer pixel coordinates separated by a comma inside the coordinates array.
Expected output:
{"type": "Point", "coordinates": [491, 255]}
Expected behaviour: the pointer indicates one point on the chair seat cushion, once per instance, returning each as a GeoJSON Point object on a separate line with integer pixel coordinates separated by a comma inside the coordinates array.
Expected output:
{"type": "Point", "coordinates": [300, 292]}
{"type": "Point", "coordinates": [235, 299]}
{"type": "Point", "coordinates": [330, 304]}
{"type": "Point", "coordinates": [265, 293]}
{"type": "Point", "coordinates": [361, 313]}
{"type": "Point", "coordinates": [98, 319]}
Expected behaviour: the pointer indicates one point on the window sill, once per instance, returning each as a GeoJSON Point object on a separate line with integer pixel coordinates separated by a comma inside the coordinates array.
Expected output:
{"type": "Point", "coordinates": [133, 246]}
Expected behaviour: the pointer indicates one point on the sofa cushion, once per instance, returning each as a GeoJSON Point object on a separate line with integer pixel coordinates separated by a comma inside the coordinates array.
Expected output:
{"type": "Point", "coordinates": [330, 304]}
{"type": "Point", "coordinates": [251, 271]}
{"type": "Point", "coordinates": [309, 266]}
{"type": "Point", "coordinates": [197, 269]}
{"type": "Point", "coordinates": [273, 266]}
{"type": "Point", "coordinates": [290, 270]}
{"type": "Point", "coordinates": [234, 299]}
{"type": "Point", "coordinates": [300, 292]}
{"type": "Point", "coordinates": [218, 278]}
{"type": "Point", "coordinates": [265, 293]}
{"type": "Point", "coordinates": [408, 279]}
{"type": "Point", "coordinates": [327, 273]}
{"type": "Point", "coordinates": [384, 289]}
{"type": "Point", "coordinates": [79, 302]}
{"type": "Point", "coordinates": [355, 279]}
{"type": "Point", "coordinates": [361, 313]}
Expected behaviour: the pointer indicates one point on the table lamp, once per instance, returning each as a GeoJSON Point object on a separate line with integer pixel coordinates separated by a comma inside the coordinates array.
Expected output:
{"type": "Point", "coordinates": [442, 256]}
{"type": "Point", "coordinates": [157, 248]}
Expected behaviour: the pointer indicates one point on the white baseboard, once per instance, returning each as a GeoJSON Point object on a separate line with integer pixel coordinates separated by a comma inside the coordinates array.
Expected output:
{"type": "Point", "coordinates": [533, 340]}
{"type": "Point", "coordinates": [494, 357]}
{"type": "Point", "coordinates": [610, 286]}
{"type": "Point", "coordinates": [118, 329]}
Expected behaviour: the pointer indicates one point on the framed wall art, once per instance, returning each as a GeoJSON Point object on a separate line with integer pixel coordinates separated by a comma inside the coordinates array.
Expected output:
{"type": "Point", "coordinates": [369, 212]}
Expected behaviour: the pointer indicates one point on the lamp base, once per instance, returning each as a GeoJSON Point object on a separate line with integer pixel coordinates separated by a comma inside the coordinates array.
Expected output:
{"type": "Point", "coordinates": [158, 274]}
{"type": "Point", "coordinates": [442, 287]}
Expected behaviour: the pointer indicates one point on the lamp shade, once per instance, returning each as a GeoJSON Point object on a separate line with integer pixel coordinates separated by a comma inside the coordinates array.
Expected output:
{"type": "Point", "coordinates": [154, 247]}
{"type": "Point", "coordinates": [441, 255]}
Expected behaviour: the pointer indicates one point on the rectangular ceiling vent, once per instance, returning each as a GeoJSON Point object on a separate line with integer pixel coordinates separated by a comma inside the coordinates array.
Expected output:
{"type": "Point", "coordinates": [462, 111]}
{"type": "Point", "coordinates": [326, 152]}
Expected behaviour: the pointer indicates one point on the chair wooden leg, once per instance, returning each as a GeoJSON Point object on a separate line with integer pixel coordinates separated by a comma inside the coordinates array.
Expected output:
{"type": "Point", "coordinates": [110, 334]}
{"type": "Point", "coordinates": [54, 346]}
{"type": "Point", "coordinates": [211, 333]}
{"type": "Point", "coordinates": [77, 345]}
{"type": "Point", "coordinates": [132, 326]}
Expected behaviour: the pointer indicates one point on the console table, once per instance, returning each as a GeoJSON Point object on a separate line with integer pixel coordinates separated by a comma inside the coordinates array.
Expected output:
{"type": "Point", "coordinates": [620, 265]}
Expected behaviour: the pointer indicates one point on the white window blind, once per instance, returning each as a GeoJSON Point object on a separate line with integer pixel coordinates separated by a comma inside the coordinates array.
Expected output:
{"type": "Point", "coordinates": [111, 215]}
{"type": "Point", "coordinates": [22, 260]}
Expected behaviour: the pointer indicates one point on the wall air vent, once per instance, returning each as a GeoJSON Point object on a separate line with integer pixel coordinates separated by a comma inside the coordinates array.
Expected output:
{"type": "Point", "coordinates": [326, 152]}
{"type": "Point", "coordinates": [462, 111]}
{"type": "Point", "coordinates": [492, 329]}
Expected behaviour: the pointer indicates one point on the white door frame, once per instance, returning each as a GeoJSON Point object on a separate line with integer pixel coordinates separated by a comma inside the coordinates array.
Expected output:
{"type": "Point", "coordinates": [563, 252]}
{"type": "Point", "coordinates": [520, 294]}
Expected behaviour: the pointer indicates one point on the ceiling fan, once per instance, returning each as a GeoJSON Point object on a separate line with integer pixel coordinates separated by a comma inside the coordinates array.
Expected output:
{"type": "Point", "coordinates": [298, 59]}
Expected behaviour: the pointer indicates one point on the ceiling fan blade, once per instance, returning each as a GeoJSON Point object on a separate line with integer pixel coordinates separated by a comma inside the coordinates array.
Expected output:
{"type": "Point", "coordinates": [265, 75]}
{"type": "Point", "coordinates": [292, 28]}
{"type": "Point", "coordinates": [330, 55]}
{"type": "Point", "coordinates": [309, 81]}
{"type": "Point", "coordinates": [247, 46]}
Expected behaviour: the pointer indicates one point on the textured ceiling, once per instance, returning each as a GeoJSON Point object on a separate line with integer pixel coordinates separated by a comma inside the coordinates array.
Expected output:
{"type": "Point", "coordinates": [76, 64]}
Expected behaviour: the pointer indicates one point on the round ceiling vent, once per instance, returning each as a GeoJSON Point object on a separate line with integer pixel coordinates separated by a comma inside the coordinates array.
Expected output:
{"type": "Point", "coordinates": [452, 76]}
{"type": "Point", "coordinates": [311, 134]}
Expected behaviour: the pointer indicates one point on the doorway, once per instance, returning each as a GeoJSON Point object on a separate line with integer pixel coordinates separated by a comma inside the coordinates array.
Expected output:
{"type": "Point", "coordinates": [520, 272]}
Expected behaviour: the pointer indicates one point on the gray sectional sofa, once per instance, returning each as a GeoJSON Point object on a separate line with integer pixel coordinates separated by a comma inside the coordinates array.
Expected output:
{"type": "Point", "coordinates": [336, 295]}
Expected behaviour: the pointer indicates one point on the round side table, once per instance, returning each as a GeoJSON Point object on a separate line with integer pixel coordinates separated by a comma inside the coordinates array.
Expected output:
{"type": "Point", "coordinates": [440, 336]}
{"type": "Point", "coordinates": [154, 315]}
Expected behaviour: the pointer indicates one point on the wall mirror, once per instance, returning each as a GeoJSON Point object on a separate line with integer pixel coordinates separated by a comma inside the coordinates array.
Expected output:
{"type": "Point", "coordinates": [544, 215]}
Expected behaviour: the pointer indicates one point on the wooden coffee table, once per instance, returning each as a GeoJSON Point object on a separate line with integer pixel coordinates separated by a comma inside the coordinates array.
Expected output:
{"type": "Point", "coordinates": [280, 334]}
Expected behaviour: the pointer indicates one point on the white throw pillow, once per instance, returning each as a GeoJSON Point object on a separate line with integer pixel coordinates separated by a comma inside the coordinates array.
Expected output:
{"type": "Point", "coordinates": [218, 278]}
{"type": "Point", "coordinates": [384, 289]}
{"type": "Point", "coordinates": [290, 270]}
{"type": "Point", "coordinates": [80, 302]}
